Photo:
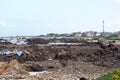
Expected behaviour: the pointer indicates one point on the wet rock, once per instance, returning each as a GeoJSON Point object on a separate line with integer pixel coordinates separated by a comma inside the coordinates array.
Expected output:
{"type": "Point", "coordinates": [53, 40]}
{"type": "Point", "coordinates": [36, 67]}
{"type": "Point", "coordinates": [37, 41]}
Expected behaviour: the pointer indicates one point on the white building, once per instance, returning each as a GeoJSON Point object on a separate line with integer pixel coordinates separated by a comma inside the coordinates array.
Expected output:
{"type": "Point", "coordinates": [91, 33]}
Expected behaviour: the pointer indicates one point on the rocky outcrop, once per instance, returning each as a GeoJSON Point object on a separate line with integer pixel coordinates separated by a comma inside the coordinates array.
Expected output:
{"type": "Point", "coordinates": [96, 53]}
{"type": "Point", "coordinates": [53, 40]}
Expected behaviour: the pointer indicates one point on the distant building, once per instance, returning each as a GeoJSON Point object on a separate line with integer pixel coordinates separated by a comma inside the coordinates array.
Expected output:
{"type": "Point", "coordinates": [98, 34]}
{"type": "Point", "coordinates": [78, 34]}
{"type": "Point", "coordinates": [91, 33]}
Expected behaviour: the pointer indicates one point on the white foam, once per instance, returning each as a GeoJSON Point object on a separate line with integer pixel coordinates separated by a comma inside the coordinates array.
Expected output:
{"type": "Point", "coordinates": [19, 52]}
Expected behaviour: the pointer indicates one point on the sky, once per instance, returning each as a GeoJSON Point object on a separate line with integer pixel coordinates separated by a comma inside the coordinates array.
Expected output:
{"type": "Point", "coordinates": [36, 17]}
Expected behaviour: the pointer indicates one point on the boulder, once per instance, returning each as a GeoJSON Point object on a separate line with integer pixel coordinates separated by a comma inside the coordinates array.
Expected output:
{"type": "Point", "coordinates": [13, 69]}
{"type": "Point", "coordinates": [15, 65]}
{"type": "Point", "coordinates": [3, 67]}
{"type": "Point", "coordinates": [103, 42]}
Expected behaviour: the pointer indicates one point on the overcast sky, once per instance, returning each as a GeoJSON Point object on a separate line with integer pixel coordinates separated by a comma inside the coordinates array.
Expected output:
{"type": "Point", "coordinates": [35, 17]}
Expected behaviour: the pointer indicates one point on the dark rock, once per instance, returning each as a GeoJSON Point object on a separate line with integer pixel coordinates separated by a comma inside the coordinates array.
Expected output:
{"type": "Point", "coordinates": [83, 78]}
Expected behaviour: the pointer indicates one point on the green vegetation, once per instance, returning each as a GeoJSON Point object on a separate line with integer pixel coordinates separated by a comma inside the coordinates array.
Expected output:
{"type": "Point", "coordinates": [105, 77]}
{"type": "Point", "coordinates": [111, 76]}
{"type": "Point", "coordinates": [111, 38]}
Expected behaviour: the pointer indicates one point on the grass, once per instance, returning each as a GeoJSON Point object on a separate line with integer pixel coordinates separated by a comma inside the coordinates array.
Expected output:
{"type": "Point", "coordinates": [105, 77]}
{"type": "Point", "coordinates": [111, 76]}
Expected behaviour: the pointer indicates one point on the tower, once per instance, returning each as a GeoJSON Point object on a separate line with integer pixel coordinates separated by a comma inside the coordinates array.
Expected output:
{"type": "Point", "coordinates": [103, 29]}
